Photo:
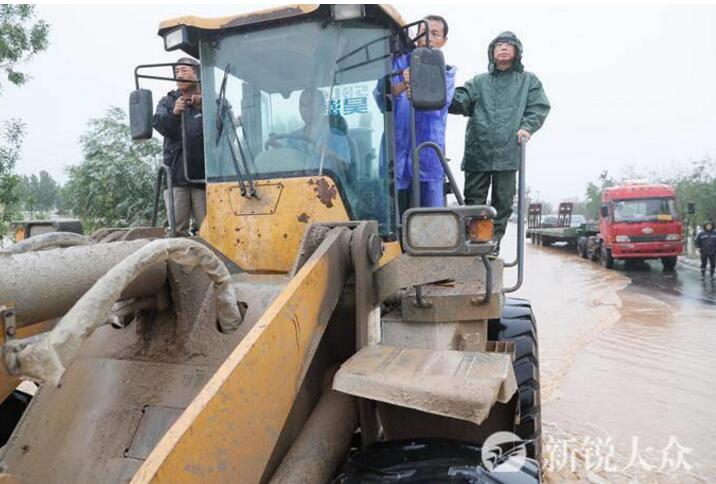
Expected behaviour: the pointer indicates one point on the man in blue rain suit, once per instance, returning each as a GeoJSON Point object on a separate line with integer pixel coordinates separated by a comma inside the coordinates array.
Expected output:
{"type": "Point", "coordinates": [429, 126]}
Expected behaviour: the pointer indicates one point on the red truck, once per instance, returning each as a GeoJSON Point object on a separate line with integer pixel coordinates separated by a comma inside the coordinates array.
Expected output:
{"type": "Point", "coordinates": [637, 221]}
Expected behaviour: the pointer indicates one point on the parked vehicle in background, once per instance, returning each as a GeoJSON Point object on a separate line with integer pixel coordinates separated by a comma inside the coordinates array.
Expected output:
{"type": "Point", "coordinates": [559, 227]}
{"type": "Point", "coordinates": [549, 221]}
{"type": "Point", "coordinates": [577, 220]}
{"type": "Point", "coordinates": [637, 221]}
{"type": "Point", "coordinates": [28, 228]}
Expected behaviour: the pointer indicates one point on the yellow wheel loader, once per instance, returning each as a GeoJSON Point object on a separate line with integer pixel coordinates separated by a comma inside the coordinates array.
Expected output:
{"type": "Point", "coordinates": [310, 332]}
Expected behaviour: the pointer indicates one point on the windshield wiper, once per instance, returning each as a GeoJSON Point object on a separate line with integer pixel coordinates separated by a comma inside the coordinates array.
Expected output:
{"type": "Point", "coordinates": [223, 109]}
{"type": "Point", "coordinates": [249, 176]}
{"type": "Point", "coordinates": [221, 103]}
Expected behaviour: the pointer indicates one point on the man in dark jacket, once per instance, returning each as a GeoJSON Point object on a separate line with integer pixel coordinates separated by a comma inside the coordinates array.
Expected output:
{"type": "Point", "coordinates": [184, 102]}
{"type": "Point", "coordinates": [506, 106]}
{"type": "Point", "coordinates": [706, 243]}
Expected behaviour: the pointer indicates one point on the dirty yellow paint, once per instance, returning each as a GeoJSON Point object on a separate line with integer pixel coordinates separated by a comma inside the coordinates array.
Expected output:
{"type": "Point", "coordinates": [227, 434]}
{"type": "Point", "coordinates": [217, 23]}
{"type": "Point", "coordinates": [393, 13]}
{"type": "Point", "coordinates": [264, 235]}
{"type": "Point", "coordinates": [274, 13]}
{"type": "Point", "coordinates": [391, 250]}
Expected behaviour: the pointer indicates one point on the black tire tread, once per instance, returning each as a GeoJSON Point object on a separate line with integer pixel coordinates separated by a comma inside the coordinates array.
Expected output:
{"type": "Point", "coordinates": [518, 324]}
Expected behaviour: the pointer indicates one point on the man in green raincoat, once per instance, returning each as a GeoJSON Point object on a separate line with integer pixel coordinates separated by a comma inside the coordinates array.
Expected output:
{"type": "Point", "coordinates": [506, 106]}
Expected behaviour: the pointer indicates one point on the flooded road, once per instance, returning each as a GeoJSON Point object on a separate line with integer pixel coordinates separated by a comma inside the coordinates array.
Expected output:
{"type": "Point", "coordinates": [628, 368]}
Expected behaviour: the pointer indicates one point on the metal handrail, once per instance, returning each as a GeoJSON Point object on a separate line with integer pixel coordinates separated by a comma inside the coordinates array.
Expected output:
{"type": "Point", "coordinates": [415, 202]}
{"type": "Point", "coordinates": [164, 172]}
{"type": "Point", "coordinates": [446, 168]}
{"type": "Point", "coordinates": [520, 260]}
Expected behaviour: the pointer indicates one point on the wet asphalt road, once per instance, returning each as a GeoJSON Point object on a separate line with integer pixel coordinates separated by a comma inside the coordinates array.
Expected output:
{"type": "Point", "coordinates": [684, 282]}
{"type": "Point", "coordinates": [628, 368]}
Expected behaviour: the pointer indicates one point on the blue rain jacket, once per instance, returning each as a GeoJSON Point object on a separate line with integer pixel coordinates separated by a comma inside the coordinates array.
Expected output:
{"type": "Point", "coordinates": [429, 126]}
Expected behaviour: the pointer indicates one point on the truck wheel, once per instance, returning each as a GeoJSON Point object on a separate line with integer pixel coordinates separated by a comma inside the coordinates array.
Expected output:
{"type": "Point", "coordinates": [607, 259]}
{"type": "Point", "coordinates": [518, 325]}
{"type": "Point", "coordinates": [582, 248]}
{"type": "Point", "coordinates": [669, 263]}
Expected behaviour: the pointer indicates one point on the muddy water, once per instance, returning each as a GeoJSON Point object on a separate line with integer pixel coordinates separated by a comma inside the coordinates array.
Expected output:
{"type": "Point", "coordinates": [628, 370]}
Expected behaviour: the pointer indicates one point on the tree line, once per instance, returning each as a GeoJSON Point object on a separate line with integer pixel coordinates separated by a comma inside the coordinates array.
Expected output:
{"type": "Point", "coordinates": [112, 186]}
{"type": "Point", "coordinates": [22, 36]}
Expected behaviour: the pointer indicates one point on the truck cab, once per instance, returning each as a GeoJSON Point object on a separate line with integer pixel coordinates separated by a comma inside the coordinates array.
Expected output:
{"type": "Point", "coordinates": [640, 221]}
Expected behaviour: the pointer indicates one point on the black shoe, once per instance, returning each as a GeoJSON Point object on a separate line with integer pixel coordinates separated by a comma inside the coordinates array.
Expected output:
{"type": "Point", "coordinates": [703, 276]}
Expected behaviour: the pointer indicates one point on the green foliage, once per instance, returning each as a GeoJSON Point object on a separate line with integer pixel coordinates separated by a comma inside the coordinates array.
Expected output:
{"type": "Point", "coordinates": [38, 193]}
{"type": "Point", "coordinates": [594, 195]}
{"type": "Point", "coordinates": [114, 184]}
{"type": "Point", "coordinates": [697, 184]}
{"type": "Point", "coordinates": [21, 37]}
{"type": "Point", "coordinates": [10, 149]}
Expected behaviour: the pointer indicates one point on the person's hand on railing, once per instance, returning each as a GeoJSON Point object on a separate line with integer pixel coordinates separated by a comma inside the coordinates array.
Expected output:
{"type": "Point", "coordinates": [406, 82]}
{"type": "Point", "coordinates": [523, 136]}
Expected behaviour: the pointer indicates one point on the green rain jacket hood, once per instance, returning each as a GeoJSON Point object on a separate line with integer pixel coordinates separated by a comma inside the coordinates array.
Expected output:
{"type": "Point", "coordinates": [499, 103]}
{"type": "Point", "coordinates": [511, 38]}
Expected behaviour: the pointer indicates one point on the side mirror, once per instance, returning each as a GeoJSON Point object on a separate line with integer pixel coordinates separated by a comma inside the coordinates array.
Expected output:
{"type": "Point", "coordinates": [428, 85]}
{"type": "Point", "coordinates": [604, 211]}
{"type": "Point", "coordinates": [140, 114]}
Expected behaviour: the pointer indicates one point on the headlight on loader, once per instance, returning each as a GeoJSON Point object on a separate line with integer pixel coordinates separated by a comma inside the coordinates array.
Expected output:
{"type": "Point", "coordinates": [449, 230]}
{"type": "Point", "coordinates": [434, 231]}
{"type": "Point", "coordinates": [177, 39]}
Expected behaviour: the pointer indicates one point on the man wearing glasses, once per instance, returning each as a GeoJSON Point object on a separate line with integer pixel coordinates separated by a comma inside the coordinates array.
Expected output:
{"type": "Point", "coordinates": [506, 106]}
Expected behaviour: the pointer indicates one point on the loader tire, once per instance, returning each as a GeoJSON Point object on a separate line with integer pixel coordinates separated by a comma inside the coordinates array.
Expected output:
{"type": "Point", "coordinates": [518, 325]}
{"type": "Point", "coordinates": [11, 409]}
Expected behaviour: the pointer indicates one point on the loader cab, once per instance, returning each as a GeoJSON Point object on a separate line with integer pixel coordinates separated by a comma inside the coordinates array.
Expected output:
{"type": "Point", "coordinates": [297, 121]}
{"type": "Point", "coordinates": [302, 96]}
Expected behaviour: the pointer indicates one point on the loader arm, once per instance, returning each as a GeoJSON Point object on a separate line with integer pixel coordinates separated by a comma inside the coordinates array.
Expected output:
{"type": "Point", "coordinates": [229, 431]}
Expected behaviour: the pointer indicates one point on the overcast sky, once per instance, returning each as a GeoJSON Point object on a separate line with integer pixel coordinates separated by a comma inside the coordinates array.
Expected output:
{"type": "Point", "coordinates": [629, 86]}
